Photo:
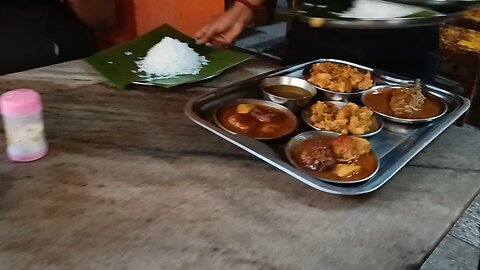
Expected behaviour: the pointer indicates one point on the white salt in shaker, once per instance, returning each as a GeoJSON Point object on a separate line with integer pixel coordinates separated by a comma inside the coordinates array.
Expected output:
{"type": "Point", "coordinates": [23, 122]}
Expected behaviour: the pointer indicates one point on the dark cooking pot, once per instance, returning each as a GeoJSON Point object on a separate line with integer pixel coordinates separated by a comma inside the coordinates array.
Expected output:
{"type": "Point", "coordinates": [407, 46]}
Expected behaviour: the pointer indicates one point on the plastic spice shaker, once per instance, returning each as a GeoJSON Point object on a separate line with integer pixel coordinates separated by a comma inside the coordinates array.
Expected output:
{"type": "Point", "coordinates": [23, 122]}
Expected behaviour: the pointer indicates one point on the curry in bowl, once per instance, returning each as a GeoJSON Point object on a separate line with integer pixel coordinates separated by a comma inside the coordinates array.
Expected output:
{"type": "Point", "coordinates": [289, 91]}
{"type": "Point", "coordinates": [339, 159]}
{"type": "Point", "coordinates": [256, 118]}
{"type": "Point", "coordinates": [404, 102]}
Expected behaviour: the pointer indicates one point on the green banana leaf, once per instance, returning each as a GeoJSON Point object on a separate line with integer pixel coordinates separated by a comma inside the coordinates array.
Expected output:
{"type": "Point", "coordinates": [118, 63]}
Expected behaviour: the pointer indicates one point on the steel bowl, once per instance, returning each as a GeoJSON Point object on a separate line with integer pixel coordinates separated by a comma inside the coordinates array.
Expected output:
{"type": "Point", "coordinates": [257, 102]}
{"type": "Point", "coordinates": [320, 134]}
{"type": "Point", "coordinates": [406, 120]}
{"type": "Point", "coordinates": [306, 113]}
{"type": "Point", "coordinates": [293, 104]}
{"type": "Point", "coordinates": [326, 94]}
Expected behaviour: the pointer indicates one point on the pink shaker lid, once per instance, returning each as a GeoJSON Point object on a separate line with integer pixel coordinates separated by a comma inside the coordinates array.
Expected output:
{"type": "Point", "coordinates": [20, 102]}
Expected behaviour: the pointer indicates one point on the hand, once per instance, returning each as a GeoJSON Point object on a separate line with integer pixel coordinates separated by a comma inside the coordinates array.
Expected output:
{"type": "Point", "coordinates": [224, 29]}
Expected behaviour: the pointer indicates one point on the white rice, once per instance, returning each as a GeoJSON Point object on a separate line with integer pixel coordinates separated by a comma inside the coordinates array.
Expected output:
{"type": "Point", "coordinates": [170, 58]}
{"type": "Point", "coordinates": [376, 9]}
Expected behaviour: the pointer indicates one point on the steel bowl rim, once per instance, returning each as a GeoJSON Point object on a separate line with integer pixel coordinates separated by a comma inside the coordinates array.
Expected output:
{"type": "Point", "coordinates": [326, 134]}
{"type": "Point", "coordinates": [405, 120]}
{"type": "Point", "coordinates": [261, 102]}
{"type": "Point", "coordinates": [306, 112]}
{"type": "Point", "coordinates": [262, 86]}
{"type": "Point", "coordinates": [306, 74]}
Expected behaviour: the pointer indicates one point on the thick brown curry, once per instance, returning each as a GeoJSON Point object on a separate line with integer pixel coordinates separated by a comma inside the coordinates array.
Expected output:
{"type": "Point", "coordinates": [380, 102]}
{"type": "Point", "coordinates": [320, 156]}
{"type": "Point", "coordinates": [256, 121]}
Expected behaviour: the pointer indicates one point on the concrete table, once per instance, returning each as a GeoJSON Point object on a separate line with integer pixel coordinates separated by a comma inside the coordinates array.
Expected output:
{"type": "Point", "coordinates": [131, 183]}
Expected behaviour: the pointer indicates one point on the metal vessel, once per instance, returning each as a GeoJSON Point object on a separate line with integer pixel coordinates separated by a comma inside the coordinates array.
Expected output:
{"type": "Point", "coordinates": [325, 13]}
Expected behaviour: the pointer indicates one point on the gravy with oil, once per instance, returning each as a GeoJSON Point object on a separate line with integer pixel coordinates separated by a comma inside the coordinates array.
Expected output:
{"type": "Point", "coordinates": [261, 122]}
{"type": "Point", "coordinates": [380, 102]}
{"type": "Point", "coordinates": [367, 162]}
{"type": "Point", "coordinates": [288, 91]}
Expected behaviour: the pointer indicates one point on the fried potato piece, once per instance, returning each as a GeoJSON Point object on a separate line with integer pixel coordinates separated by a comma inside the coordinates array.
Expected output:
{"type": "Point", "coordinates": [350, 119]}
{"type": "Point", "coordinates": [348, 148]}
{"type": "Point", "coordinates": [366, 82]}
{"type": "Point", "coordinates": [324, 116]}
{"type": "Point", "coordinates": [323, 111]}
{"type": "Point", "coordinates": [245, 108]}
{"type": "Point", "coordinates": [321, 79]}
{"type": "Point", "coordinates": [346, 170]}
{"type": "Point", "coordinates": [348, 110]}
{"type": "Point", "coordinates": [339, 77]}
{"type": "Point", "coordinates": [361, 122]}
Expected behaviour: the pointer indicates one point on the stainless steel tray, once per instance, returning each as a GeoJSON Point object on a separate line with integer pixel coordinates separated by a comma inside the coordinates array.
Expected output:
{"type": "Point", "coordinates": [395, 145]}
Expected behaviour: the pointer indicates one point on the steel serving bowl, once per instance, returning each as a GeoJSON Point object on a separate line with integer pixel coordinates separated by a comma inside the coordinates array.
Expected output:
{"type": "Point", "coordinates": [401, 120]}
{"type": "Point", "coordinates": [257, 102]}
{"type": "Point", "coordinates": [320, 134]}
{"type": "Point", "coordinates": [306, 113]}
{"type": "Point", "coordinates": [334, 95]}
{"type": "Point", "coordinates": [293, 104]}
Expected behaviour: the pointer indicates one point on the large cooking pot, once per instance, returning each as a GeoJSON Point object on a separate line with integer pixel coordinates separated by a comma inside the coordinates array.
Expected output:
{"type": "Point", "coordinates": [407, 46]}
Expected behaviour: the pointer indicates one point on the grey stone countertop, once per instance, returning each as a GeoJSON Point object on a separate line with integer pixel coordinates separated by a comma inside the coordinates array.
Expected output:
{"type": "Point", "coordinates": [131, 183]}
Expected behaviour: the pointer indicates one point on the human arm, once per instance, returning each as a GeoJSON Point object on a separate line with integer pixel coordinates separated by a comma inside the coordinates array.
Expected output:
{"type": "Point", "coordinates": [225, 28]}
{"type": "Point", "coordinates": [96, 14]}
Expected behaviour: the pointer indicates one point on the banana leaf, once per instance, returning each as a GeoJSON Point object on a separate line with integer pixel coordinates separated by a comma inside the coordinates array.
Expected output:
{"type": "Point", "coordinates": [118, 63]}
